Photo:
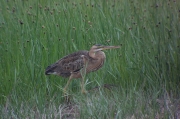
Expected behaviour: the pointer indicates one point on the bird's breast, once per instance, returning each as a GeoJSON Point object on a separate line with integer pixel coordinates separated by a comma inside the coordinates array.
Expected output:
{"type": "Point", "coordinates": [96, 63]}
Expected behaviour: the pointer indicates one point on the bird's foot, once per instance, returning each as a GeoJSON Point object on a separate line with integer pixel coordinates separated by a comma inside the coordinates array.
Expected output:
{"type": "Point", "coordinates": [65, 91]}
{"type": "Point", "coordinates": [66, 95]}
{"type": "Point", "coordinates": [83, 91]}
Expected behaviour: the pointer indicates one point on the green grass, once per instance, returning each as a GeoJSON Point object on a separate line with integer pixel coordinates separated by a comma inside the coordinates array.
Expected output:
{"type": "Point", "coordinates": [145, 70]}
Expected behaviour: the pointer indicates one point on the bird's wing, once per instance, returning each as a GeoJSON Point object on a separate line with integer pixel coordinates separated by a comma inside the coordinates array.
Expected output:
{"type": "Point", "coordinates": [71, 64]}
{"type": "Point", "coordinates": [68, 64]}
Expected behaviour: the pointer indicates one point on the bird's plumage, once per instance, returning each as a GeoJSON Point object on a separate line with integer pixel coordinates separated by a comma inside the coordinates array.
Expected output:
{"type": "Point", "coordinates": [79, 63]}
{"type": "Point", "coordinates": [73, 63]}
{"type": "Point", "coordinates": [69, 64]}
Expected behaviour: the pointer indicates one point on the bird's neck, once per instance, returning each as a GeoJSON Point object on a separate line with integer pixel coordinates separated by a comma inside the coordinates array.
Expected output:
{"type": "Point", "coordinates": [97, 55]}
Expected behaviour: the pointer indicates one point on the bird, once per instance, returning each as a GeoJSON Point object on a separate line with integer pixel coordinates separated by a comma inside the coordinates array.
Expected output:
{"type": "Point", "coordinates": [78, 64]}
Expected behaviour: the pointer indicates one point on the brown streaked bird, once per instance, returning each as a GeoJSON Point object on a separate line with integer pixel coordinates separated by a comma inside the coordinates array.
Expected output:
{"type": "Point", "coordinates": [78, 64]}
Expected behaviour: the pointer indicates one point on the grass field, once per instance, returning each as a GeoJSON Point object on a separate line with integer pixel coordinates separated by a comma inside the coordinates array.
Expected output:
{"type": "Point", "coordinates": [141, 80]}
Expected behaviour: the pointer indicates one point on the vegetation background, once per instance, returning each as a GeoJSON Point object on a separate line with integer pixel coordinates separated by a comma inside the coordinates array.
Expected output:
{"type": "Point", "coordinates": [139, 80]}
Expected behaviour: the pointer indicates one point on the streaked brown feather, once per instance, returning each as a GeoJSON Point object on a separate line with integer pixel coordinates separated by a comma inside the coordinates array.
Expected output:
{"type": "Point", "coordinates": [78, 64]}
{"type": "Point", "coordinates": [72, 65]}
{"type": "Point", "coordinates": [69, 64]}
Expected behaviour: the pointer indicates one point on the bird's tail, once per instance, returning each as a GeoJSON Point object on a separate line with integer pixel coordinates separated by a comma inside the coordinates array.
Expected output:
{"type": "Point", "coordinates": [51, 69]}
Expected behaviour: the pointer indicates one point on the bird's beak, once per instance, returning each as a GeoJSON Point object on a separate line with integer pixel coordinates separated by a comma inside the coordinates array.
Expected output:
{"type": "Point", "coordinates": [109, 47]}
{"type": "Point", "coordinates": [106, 47]}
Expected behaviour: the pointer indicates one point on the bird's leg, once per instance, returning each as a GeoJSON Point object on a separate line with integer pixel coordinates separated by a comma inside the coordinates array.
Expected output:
{"type": "Point", "coordinates": [83, 90]}
{"type": "Point", "coordinates": [65, 88]}
{"type": "Point", "coordinates": [83, 74]}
